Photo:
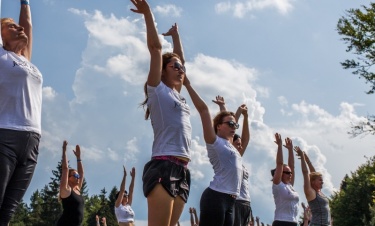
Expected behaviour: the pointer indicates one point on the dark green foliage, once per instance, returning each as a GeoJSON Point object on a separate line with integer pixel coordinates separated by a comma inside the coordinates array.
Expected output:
{"type": "Point", "coordinates": [358, 31]}
{"type": "Point", "coordinates": [350, 205]}
{"type": "Point", "coordinates": [45, 208]}
{"type": "Point", "coordinates": [357, 28]}
{"type": "Point", "coordinates": [21, 215]}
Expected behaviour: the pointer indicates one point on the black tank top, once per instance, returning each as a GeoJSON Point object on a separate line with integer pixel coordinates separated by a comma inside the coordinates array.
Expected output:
{"type": "Point", "coordinates": [72, 210]}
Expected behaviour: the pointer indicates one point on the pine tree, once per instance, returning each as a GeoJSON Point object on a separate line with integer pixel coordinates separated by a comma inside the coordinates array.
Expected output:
{"type": "Point", "coordinates": [21, 215]}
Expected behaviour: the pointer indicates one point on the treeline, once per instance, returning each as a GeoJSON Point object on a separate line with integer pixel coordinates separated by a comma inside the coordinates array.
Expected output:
{"type": "Point", "coordinates": [45, 209]}
{"type": "Point", "coordinates": [353, 204]}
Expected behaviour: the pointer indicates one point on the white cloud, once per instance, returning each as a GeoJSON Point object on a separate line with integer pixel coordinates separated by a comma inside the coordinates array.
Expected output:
{"type": "Point", "coordinates": [241, 8]}
{"type": "Point", "coordinates": [109, 125]}
{"type": "Point", "coordinates": [49, 93]}
{"type": "Point", "coordinates": [168, 10]}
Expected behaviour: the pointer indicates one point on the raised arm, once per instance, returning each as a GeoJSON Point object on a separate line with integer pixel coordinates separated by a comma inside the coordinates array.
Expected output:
{"type": "Point", "coordinates": [257, 220]}
{"type": "Point", "coordinates": [279, 160]}
{"type": "Point", "coordinates": [153, 42]}
{"type": "Point", "coordinates": [64, 187]}
{"type": "Point", "coordinates": [122, 190]}
{"type": "Point", "coordinates": [195, 217]}
{"type": "Point", "coordinates": [177, 45]}
{"type": "Point", "coordinates": [131, 186]}
{"type": "Point", "coordinates": [245, 137]}
{"type": "Point", "coordinates": [104, 221]}
{"type": "Point", "coordinates": [25, 22]}
{"type": "Point", "coordinates": [77, 153]}
{"type": "Point", "coordinates": [220, 101]}
{"type": "Point", "coordinates": [309, 164]}
{"type": "Point", "coordinates": [309, 191]}
{"type": "Point", "coordinates": [289, 146]}
{"type": "Point", "coordinates": [208, 129]}
{"type": "Point", "coordinates": [192, 222]}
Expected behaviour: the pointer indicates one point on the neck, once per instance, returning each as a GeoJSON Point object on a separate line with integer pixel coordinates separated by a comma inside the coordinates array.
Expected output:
{"type": "Point", "coordinates": [17, 47]}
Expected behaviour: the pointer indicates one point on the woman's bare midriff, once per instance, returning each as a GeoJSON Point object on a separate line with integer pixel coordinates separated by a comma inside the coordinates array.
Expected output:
{"type": "Point", "coordinates": [126, 224]}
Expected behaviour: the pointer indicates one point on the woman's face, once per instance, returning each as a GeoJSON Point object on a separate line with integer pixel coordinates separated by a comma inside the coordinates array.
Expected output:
{"type": "Point", "coordinates": [238, 144]}
{"type": "Point", "coordinates": [287, 175]}
{"type": "Point", "coordinates": [227, 128]}
{"type": "Point", "coordinates": [317, 183]}
{"type": "Point", "coordinates": [74, 178]}
{"type": "Point", "coordinates": [12, 32]}
{"type": "Point", "coordinates": [174, 73]}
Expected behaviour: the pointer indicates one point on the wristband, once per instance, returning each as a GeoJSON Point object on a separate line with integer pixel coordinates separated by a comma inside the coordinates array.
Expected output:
{"type": "Point", "coordinates": [25, 2]}
{"type": "Point", "coordinates": [79, 160]}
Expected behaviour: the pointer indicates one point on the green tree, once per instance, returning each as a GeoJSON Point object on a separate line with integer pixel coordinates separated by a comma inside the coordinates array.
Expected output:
{"type": "Point", "coordinates": [21, 215]}
{"type": "Point", "coordinates": [357, 28]}
{"type": "Point", "coordinates": [36, 209]}
{"type": "Point", "coordinates": [100, 205]}
{"type": "Point", "coordinates": [351, 205]}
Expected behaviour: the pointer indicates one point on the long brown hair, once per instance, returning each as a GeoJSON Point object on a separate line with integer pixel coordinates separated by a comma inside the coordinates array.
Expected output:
{"type": "Point", "coordinates": [166, 59]}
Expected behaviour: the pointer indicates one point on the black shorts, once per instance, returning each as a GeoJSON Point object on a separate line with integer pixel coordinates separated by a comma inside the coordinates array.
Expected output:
{"type": "Point", "coordinates": [174, 178]}
{"type": "Point", "coordinates": [284, 223]}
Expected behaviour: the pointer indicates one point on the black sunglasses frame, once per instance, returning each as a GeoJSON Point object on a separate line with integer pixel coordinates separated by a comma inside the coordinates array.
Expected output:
{"type": "Point", "coordinates": [232, 124]}
{"type": "Point", "coordinates": [177, 66]}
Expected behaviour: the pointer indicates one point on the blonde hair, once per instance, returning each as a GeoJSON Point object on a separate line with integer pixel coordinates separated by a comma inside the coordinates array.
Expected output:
{"type": "Point", "coordinates": [6, 20]}
{"type": "Point", "coordinates": [314, 176]}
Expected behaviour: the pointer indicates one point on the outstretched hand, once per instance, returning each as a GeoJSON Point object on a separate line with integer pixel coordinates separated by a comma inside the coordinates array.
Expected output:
{"type": "Point", "coordinates": [288, 143]}
{"type": "Point", "coordinates": [173, 30]}
{"type": "Point", "coordinates": [243, 109]}
{"type": "Point", "coordinates": [77, 152]}
{"type": "Point", "coordinates": [278, 140]}
{"type": "Point", "coordinates": [65, 143]}
{"type": "Point", "coordinates": [132, 173]}
{"type": "Point", "coordinates": [219, 100]}
{"type": "Point", "coordinates": [299, 151]}
{"type": "Point", "coordinates": [141, 6]}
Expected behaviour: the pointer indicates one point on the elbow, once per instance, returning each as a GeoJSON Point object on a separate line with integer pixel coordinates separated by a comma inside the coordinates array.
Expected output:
{"type": "Point", "coordinates": [155, 47]}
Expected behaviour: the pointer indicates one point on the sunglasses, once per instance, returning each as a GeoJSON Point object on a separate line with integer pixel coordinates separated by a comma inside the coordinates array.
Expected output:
{"type": "Point", "coordinates": [76, 175]}
{"type": "Point", "coordinates": [177, 66]}
{"type": "Point", "coordinates": [232, 124]}
{"type": "Point", "coordinates": [287, 172]}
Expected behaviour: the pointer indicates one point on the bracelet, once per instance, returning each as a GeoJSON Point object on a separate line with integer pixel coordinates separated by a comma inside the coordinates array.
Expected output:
{"type": "Point", "coordinates": [79, 160]}
{"type": "Point", "coordinates": [25, 2]}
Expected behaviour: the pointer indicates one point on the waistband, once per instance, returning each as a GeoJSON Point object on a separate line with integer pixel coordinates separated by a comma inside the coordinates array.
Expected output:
{"type": "Point", "coordinates": [173, 159]}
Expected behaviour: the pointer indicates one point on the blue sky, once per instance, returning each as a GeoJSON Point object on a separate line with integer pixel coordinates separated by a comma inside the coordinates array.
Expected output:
{"type": "Point", "coordinates": [280, 57]}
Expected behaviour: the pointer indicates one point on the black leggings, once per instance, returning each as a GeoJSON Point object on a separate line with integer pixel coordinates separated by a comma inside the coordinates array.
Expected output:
{"type": "Point", "coordinates": [217, 209]}
{"type": "Point", "coordinates": [284, 223]}
{"type": "Point", "coordinates": [18, 157]}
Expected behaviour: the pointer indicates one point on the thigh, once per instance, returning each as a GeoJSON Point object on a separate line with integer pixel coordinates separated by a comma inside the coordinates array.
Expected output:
{"type": "Point", "coordinates": [160, 206]}
{"type": "Point", "coordinates": [178, 207]}
{"type": "Point", "coordinates": [212, 211]}
{"type": "Point", "coordinates": [18, 156]}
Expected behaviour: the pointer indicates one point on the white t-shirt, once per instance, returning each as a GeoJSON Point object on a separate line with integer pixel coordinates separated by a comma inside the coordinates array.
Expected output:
{"type": "Point", "coordinates": [227, 164]}
{"type": "Point", "coordinates": [170, 119]}
{"type": "Point", "coordinates": [286, 201]}
{"type": "Point", "coordinates": [20, 93]}
{"type": "Point", "coordinates": [245, 190]}
{"type": "Point", "coordinates": [124, 214]}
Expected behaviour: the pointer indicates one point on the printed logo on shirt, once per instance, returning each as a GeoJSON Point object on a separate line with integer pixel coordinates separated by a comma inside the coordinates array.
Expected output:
{"type": "Point", "coordinates": [181, 103]}
{"type": "Point", "coordinates": [33, 71]}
